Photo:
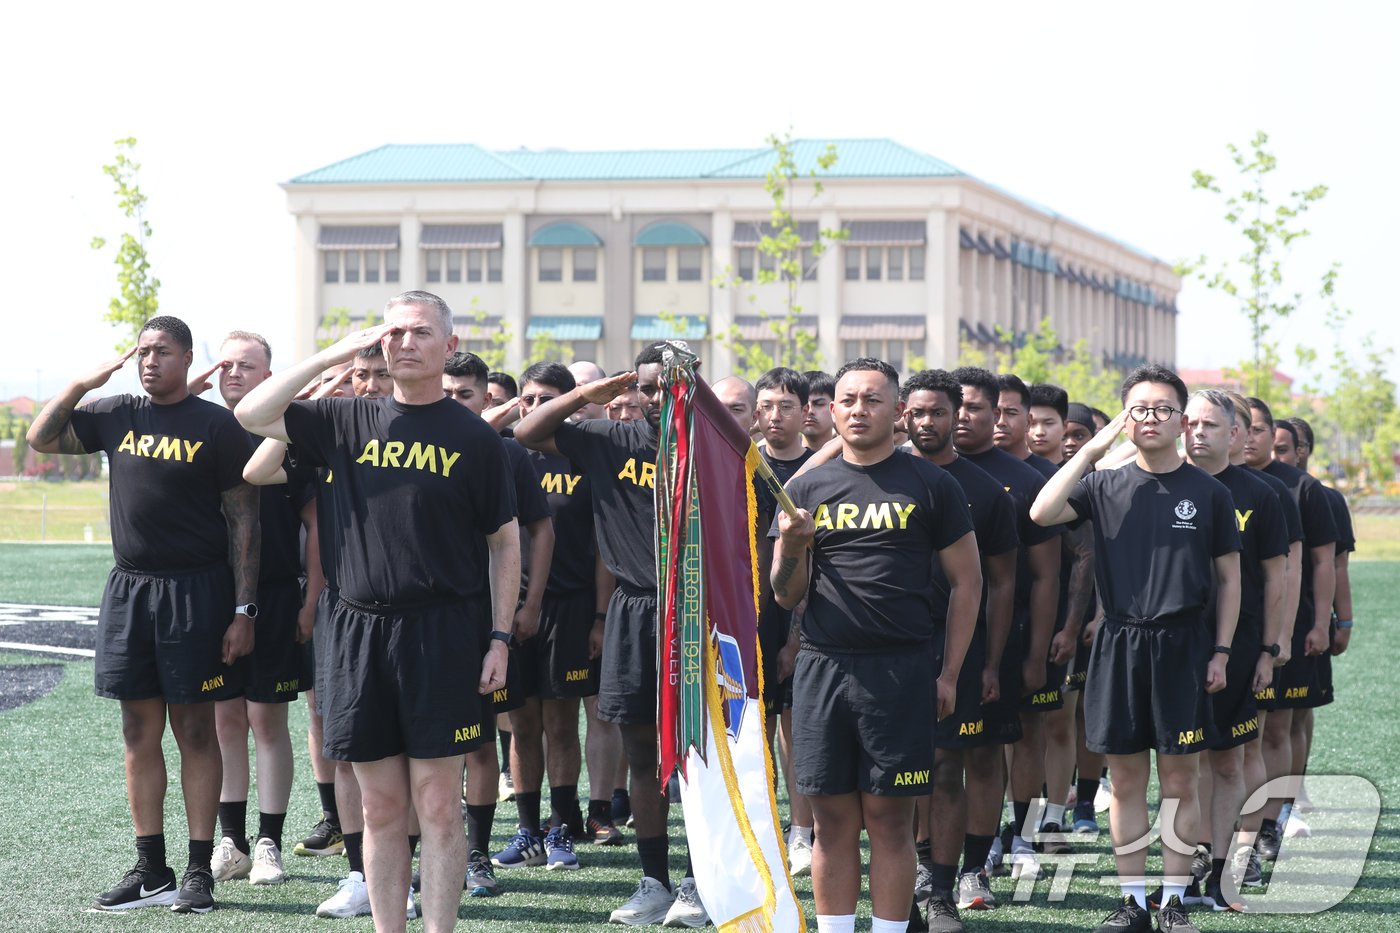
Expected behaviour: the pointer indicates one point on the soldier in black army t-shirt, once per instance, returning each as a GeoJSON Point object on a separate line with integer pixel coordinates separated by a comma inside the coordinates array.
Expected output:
{"type": "Point", "coordinates": [421, 494]}
{"type": "Point", "coordinates": [1160, 528]}
{"type": "Point", "coordinates": [174, 618]}
{"type": "Point", "coordinates": [861, 550]}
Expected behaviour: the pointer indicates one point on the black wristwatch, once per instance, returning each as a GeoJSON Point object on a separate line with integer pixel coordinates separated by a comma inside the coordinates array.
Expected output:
{"type": "Point", "coordinates": [1272, 649]}
{"type": "Point", "coordinates": [247, 609]}
{"type": "Point", "coordinates": [497, 635]}
{"type": "Point", "coordinates": [1221, 649]}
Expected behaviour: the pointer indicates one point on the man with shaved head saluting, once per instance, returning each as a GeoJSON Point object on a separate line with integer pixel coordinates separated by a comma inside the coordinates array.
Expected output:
{"type": "Point", "coordinates": [430, 477]}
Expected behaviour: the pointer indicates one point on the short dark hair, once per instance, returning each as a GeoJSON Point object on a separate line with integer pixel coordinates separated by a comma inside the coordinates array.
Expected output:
{"type": "Point", "coordinates": [1010, 382]}
{"type": "Point", "coordinates": [1305, 431]}
{"type": "Point", "coordinates": [554, 375]}
{"type": "Point", "coordinates": [819, 383]}
{"type": "Point", "coordinates": [651, 354]}
{"type": "Point", "coordinates": [981, 380]}
{"type": "Point", "coordinates": [789, 380]}
{"type": "Point", "coordinates": [464, 365]}
{"type": "Point", "coordinates": [1153, 373]}
{"type": "Point", "coordinates": [1261, 406]}
{"type": "Point", "coordinates": [505, 380]}
{"type": "Point", "coordinates": [1100, 414]}
{"type": "Point", "coordinates": [1047, 395]}
{"type": "Point", "coordinates": [170, 325]}
{"type": "Point", "coordinates": [868, 364]}
{"type": "Point", "coordinates": [370, 352]}
{"type": "Point", "coordinates": [1283, 424]}
{"type": "Point", "coordinates": [933, 380]}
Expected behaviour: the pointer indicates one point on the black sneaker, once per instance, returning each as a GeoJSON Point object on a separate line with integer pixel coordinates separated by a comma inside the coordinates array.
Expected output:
{"type": "Point", "coordinates": [1172, 918]}
{"type": "Point", "coordinates": [943, 915]}
{"type": "Point", "coordinates": [621, 808]}
{"type": "Point", "coordinates": [1200, 863]}
{"type": "Point", "coordinates": [1215, 899]}
{"type": "Point", "coordinates": [196, 892]}
{"type": "Point", "coordinates": [324, 839]}
{"type": "Point", "coordinates": [1266, 843]}
{"type": "Point", "coordinates": [141, 887]}
{"type": "Point", "coordinates": [1127, 918]}
{"type": "Point", "coordinates": [923, 882]}
{"type": "Point", "coordinates": [1052, 840]}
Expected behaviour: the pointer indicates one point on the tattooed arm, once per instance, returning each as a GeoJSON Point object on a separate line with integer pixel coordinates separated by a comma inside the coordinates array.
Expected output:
{"type": "Point", "coordinates": [244, 556]}
{"type": "Point", "coordinates": [791, 568]}
{"type": "Point", "coordinates": [52, 432]}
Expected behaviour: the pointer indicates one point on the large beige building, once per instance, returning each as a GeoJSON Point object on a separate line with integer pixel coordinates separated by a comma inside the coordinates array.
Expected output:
{"type": "Point", "coordinates": [604, 251]}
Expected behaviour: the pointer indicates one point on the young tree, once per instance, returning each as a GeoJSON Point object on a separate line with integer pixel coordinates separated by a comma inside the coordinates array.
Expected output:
{"type": "Point", "coordinates": [1255, 278]}
{"type": "Point", "coordinates": [785, 260]}
{"type": "Point", "coordinates": [137, 301]}
{"type": "Point", "coordinates": [21, 445]}
{"type": "Point", "coordinates": [1041, 359]}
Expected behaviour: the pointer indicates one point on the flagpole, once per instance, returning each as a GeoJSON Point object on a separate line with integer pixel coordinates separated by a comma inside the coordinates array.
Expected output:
{"type": "Point", "coordinates": [776, 486]}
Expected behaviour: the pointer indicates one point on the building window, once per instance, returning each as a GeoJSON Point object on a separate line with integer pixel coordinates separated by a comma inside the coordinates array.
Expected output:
{"type": "Point", "coordinates": [690, 263]}
{"type": "Point", "coordinates": [332, 265]}
{"type": "Point", "coordinates": [454, 265]}
{"type": "Point", "coordinates": [493, 265]}
{"type": "Point", "coordinates": [391, 265]}
{"type": "Point", "coordinates": [852, 264]}
{"type": "Point", "coordinates": [352, 265]}
{"type": "Point", "coordinates": [874, 259]}
{"type": "Point", "coordinates": [585, 265]}
{"type": "Point", "coordinates": [895, 265]}
{"type": "Point", "coordinates": [897, 353]}
{"type": "Point", "coordinates": [744, 257]}
{"type": "Point", "coordinates": [809, 265]}
{"type": "Point", "coordinates": [916, 263]}
{"type": "Point", "coordinates": [432, 269]}
{"type": "Point", "coordinates": [767, 262]}
{"type": "Point", "coordinates": [372, 260]}
{"type": "Point", "coordinates": [551, 265]}
{"type": "Point", "coordinates": [474, 263]}
{"type": "Point", "coordinates": [653, 265]}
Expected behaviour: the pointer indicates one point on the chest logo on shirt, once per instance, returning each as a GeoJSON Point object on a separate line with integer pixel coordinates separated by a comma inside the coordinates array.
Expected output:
{"type": "Point", "coordinates": [843, 515]}
{"type": "Point", "coordinates": [416, 456]}
{"type": "Point", "coordinates": [1185, 511]}
{"type": "Point", "coordinates": [647, 476]}
{"type": "Point", "coordinates": [161, 448]}
{"type": "Point", "coordinates": [560, 483]}
{"type": "Point", "coordinates": [1242, 518]}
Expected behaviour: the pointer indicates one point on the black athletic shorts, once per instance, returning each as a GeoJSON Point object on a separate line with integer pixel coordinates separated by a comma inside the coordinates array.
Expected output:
{"type": "Point", "coordinates": [401, 680]}
{"type": "Point", "coordinates": [554, 665]}
{"type": "Point", "coordinates": [162, 635]}
{"type": "Point", "coordinates": [1236, 712]}
{"type": "Point", "coordinates": [1003, 718]}
{"type": "Point", "coordinates": [860, 722]}
{"type": "Point", "coordinates": [320, 637]}
{"type": "Point", "coordinates": [772, 636]}
{"type": "Point", "coordinates": [275, 666]}
{"type": "Point", "coordinates": [1146, 687]}
{"type": "Point", "coordinates": [1051, 695]}
{"type": "Point", "coordinates": [970, 725]}
{"type": "Point", "coordinates": [1266, 700]}
{"type": "Point", "coordinates": [627, 684]}
{"type": "Point", "coordinates": [1301, 681]}
{"type": "Point", "coordinates": [1078, 670]}
{"type": "Point", "coordinates": [1325, 687]}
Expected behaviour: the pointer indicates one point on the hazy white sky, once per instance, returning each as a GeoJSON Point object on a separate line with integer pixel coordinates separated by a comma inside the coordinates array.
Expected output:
{"type": "Point", "coordinates": [1098, 110]}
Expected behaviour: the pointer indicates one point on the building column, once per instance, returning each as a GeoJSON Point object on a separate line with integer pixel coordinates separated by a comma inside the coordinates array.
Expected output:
{"type": "Point", "coordinates": [942, 298]}
{"type": "Point", "coordinates": [410, 256]}
{"type": "Point", "coordinates": [721, 297]}
{"type": "Point", "coordinates": [829, 304]}
{"type": "Point", "coordinates": [515, 275]}
{"type": "Point", "coordinates": [308, 273]}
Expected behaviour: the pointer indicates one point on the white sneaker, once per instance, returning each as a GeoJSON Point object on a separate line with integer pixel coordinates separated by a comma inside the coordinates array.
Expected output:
{"type": "Point", "coordinates": [267, 863]}
{"type": "Point", "coordinates": [351, 898]}
{"type": "Point", "coordinates": [799, 856]}
{"type": "Point", "coordinates": [1023, 863]}
{"type": "Point", "coordinates": [228, 862]}
{"type": "Point", "coordinates": [687, 910]}
{"type": "Point", "coordinates": [1296, 828]}
{"type": "Point", "coordinates": [412, 912]}
{"type": "Point", "coordinates": [649, 904]}
{"type": "Point", "coordinates": [1103, 797]}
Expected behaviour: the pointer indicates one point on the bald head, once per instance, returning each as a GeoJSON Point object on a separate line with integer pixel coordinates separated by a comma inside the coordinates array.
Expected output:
{"type": "Point", "coordinates": [740, 398]}
{"type": "Point", "coordinates": [585, 371]}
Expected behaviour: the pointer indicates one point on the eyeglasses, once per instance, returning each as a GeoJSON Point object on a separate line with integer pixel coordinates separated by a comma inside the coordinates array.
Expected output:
{"type": "Point", "coordinates": [1160, 413]}
{"type": "Point", "coordinates": [532, 399]}
{"type": "Point", "coordinates": [786, 408]}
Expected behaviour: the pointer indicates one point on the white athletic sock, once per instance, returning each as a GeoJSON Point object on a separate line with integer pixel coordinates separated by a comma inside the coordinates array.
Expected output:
{"type": "Point", "coordinates": [1137, 890]}
{"type": "Point", "coordinates": [1168, 889]}
{"type": "Point", "coordinates": [801, 832]}
{"type": "Point", "coordinates": [836, 923]}
{"type": "Point", "coordinates": [888, 926]}
{"type": "Point", "coordinates": [1054, 813]}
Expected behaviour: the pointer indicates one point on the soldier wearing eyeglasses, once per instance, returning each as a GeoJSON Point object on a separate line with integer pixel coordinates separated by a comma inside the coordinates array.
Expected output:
{"type": "Point", "coordinates": [1165, 534]}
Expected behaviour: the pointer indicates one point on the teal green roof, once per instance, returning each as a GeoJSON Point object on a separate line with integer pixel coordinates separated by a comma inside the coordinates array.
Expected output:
{"type": "Point", "coordinates": [565, 234]}
{"type": "Point", "coordinates": [564, 328]}
{"type": "Point", "coordinates": [651, 327]}
{"type": "Point", "coordinates": [467, 162]}
{"type": "Point", "coordinates": [669, 233]}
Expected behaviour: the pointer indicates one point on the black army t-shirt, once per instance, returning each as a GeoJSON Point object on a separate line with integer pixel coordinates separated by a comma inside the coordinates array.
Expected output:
{"type": "Point", "coordinates": [1341, 514]}
{"type": "Point", "coordinates": [169, 465]}
{"type": "Point", "coordinates": [994, 520]}
{"type": "Point", "coordinates": [1023, 483]}
{"type": "Point", "coordinates": [620, 460]}
{"type": "Point", "coordinates": [530, 502]}
{"type": "Point", "coordinates": [879, 531]}
{"type": "Point", "coordinates": [280, 519]}
{"type": "Point", "coordinates": [1263, 535]}
{"type": "Point", "coordinates": [567, 491]}
{"type": "Point", "coordinates": [1292, 520]}
{"type": "Point", "coordinates": [414, 491]}
{"type": "Point", "coordinates": [1319, 525]}
{"type": "Point", "coordinates": [774, 620]}
{"type": "Point", "coordinates": [1155, 537]}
